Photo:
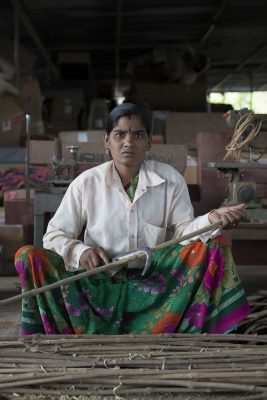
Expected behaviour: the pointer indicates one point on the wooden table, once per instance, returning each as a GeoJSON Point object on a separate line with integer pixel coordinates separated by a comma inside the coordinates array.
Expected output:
{"type": "Point", "coordinates": [249, 243]}
{"type": "Point", "coordinates": [44, 203]}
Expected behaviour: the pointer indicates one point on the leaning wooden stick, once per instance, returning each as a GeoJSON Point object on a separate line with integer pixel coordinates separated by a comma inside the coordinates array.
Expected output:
{"type": "Point", "coordinates": [109, 266]}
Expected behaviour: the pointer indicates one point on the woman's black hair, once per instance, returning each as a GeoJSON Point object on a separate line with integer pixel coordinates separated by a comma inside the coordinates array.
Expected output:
{"type": "Point", "coordinates": [125, 110]}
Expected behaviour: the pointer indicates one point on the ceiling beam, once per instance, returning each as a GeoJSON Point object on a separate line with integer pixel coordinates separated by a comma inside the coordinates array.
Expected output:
{"type": "Point", "coordinates": [17, 58]}
{"type": "Point", "coordinates": [260, 68]}
{"type": "Point", "coordinates": [239, 66]}
{"type": "Point", "coordinates": [153, 11]}
{"type": "Point", "coordinates": [100, 46]}
{"type": "Point", "coordinates": [117, 44]}
{"type": "Point", "coordinates": [214, 19]}
{"type": "Point", "coordinates": [29, 26]}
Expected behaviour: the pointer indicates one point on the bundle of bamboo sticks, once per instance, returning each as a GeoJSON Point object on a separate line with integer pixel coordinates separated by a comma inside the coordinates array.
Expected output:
{"type": "Point", "coordinates": [123, 365]}
{"type": "Point", "coordinates": [256, 322]}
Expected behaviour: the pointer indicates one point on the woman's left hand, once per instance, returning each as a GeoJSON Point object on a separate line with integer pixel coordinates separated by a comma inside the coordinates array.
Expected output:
{"type": "Point", "coordinates": [230, 216]}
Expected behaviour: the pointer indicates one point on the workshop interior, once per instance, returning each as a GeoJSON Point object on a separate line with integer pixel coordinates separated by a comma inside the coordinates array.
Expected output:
{"type": "Point", "coordinates": [65, 64]}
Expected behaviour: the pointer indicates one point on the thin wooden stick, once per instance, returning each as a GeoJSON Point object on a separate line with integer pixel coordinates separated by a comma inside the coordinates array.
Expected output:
{"type": "Point", "coordinates": [109, 266]}
{"type": "Point", "coordinates": [37, 366]}
{"type": "Point", "coordinates": [206, 339]}
{"type": "Point", "coordinates": [141, 382]}
{"type": "Point", "coordinates": [97, 391]}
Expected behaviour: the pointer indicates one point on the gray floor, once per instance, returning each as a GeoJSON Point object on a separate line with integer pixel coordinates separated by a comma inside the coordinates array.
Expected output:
{"type": "Point", "coordinates": [10, 313]}
{"type": "Point", "coordinates": [253, 277]}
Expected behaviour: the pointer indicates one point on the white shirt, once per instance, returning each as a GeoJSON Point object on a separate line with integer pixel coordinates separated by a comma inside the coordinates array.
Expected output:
{"type": "Point", "coordinates": [96, 199]}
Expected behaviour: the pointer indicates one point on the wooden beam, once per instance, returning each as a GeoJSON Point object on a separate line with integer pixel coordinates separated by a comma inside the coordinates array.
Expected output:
{"type": "Point", "coordinates": [32, 31]}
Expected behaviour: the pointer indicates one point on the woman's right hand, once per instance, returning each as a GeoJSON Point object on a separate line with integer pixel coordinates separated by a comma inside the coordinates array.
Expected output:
{"type": "Point", "coordinates": [93, 258]}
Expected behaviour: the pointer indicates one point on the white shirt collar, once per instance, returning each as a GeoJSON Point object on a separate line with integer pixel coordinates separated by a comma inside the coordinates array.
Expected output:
{"type": "Point", "coordinates": [147, 177]}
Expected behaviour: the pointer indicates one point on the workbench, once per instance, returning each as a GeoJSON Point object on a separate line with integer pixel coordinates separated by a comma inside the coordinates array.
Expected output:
{"type": "Point", "coordinates": [248, 241]}
{"type": "Point", "coordinates": [242, 190]}
{"type": "Point", "coordinates": [44, 202]}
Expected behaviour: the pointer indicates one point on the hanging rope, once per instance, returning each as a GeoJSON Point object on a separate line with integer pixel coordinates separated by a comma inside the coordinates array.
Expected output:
{"type": "Point", "coordinates": [247, 128]}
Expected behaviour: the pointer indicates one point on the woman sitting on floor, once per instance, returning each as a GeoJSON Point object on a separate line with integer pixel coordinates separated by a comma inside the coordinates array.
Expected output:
{"type": "Point", "coordinates": [124, 204]}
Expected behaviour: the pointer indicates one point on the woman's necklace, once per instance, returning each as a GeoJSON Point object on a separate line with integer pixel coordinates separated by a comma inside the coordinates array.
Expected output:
{"type": "Point", "coordinates": [126, 184]}
{"type": "Point", "coordinates": [130, 186]}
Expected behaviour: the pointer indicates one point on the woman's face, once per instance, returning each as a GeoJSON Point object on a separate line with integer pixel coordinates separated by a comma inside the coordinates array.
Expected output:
{"type": "Point", "coordinates": [128, 141]}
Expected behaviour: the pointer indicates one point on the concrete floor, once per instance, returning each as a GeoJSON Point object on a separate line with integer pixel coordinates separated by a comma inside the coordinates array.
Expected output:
{"type": "Point", "coordinates": [253, 277]}
{"type": "Point", "coordinates": [10, 313]}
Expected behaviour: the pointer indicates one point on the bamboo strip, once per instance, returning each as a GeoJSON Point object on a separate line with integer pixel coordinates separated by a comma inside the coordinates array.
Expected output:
{"type": "Point", "coordinates": [103, 392]}
{"type": "Point", "coordinates": [131, 338]}
{"type": "Point", "coordinates": [154, 375]}
{"type": "Point", "coordinates": [234, 369]}
{"type": "Point", "coordinates": [142, 361]}
{"type": "Point", "coordinates": [92, 349]}
{"type": "Point", "coordinates": [258, 396]}
{"type": "Point", "coordinates": [233, 366]}
{"type": "Point", "coordinates": [150, 382]}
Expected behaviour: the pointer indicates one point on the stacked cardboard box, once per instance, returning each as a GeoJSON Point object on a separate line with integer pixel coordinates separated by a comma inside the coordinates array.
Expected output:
{"type": "Point", "coordinates": [42, 150]}
{"type": "Point", "coordinates": [18, 209]}
{"type": "Point", "coordinates": [66, 107]}
{"type": "Point", "coordinates": [11, 122]}
{"type": "Point", "coordinates": [171, 96]}
{"type": "Point", "coordinates": [12, 237]}
{"type": "Point", "coordinates": [31, 100]}
{"type": "Point", "coordinates": [98, 114]}
{"type": "Point", "coordinates": [90, 135]}
{"type": "Point", "coordinates": [183, 127]}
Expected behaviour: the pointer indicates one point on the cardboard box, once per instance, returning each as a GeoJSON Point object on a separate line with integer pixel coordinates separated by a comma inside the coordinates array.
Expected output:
{"type": "Point", "coordinates": [174, 155]}
{"type": "Point", "coordinates": [171, 96]}
{"type": "Point", "coordinates": [90, 135]}
{"type": "Point", "coordinates": [157, 139]}
{"type": "Point", "coordinates": [11, 122]}
{"type": "Point", "coordinates": [94, 136]}
{"type": "Point", "coordinates": [158, 123]}
{"type": "Point", "coordinates": [182, 128]}
{"type": "Point", "coordinates": [98, 114]}
{"type": "Point", "coordinates": [17, 194]}
{"type": "Point", "coordinates": [31, 101]}
{"type": "Point", "coordinates": [42, 151]}
{"type": "Point", "coordinates": [191, 172]}
{"type": "Point", "coordinates": [12, 237]}
{"type": "Point", "coordinates": [19, 211]}
{"type": "Point", "coordinates": [2, 215]}
{"type": "Point", "coordinates": [12, 155]}
{"type": "Point", "coordinates": [65, 109]}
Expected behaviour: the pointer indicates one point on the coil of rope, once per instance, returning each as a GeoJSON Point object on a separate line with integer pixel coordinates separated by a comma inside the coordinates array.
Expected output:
{"type": "Point", "coordinates": [247, 128]}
